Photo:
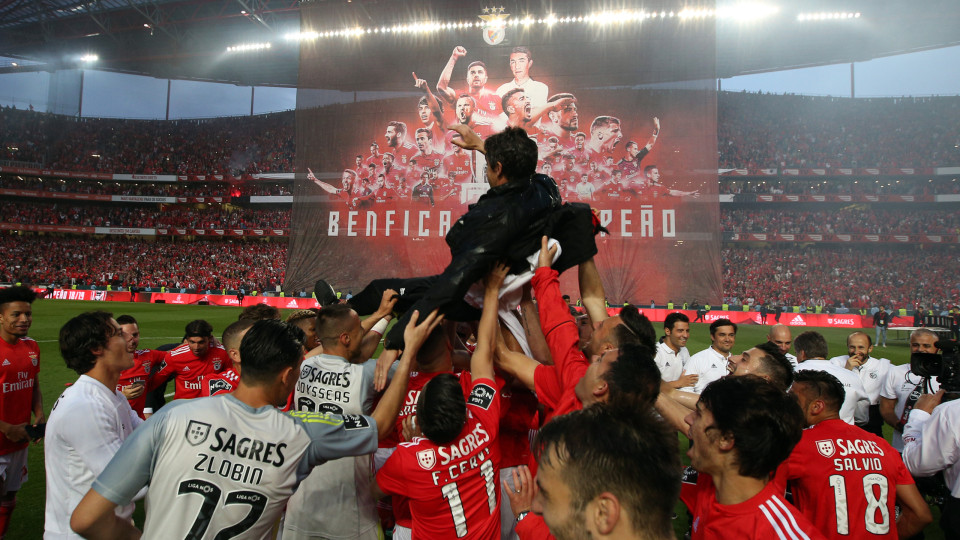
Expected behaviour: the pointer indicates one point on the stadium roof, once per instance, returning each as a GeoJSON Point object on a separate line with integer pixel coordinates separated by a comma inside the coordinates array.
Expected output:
{"type": "Point", "coordinates": [186, 39]}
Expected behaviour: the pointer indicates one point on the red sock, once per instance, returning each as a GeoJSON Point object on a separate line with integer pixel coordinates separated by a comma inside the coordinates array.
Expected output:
{"type": "Point", "coordinates": [6, 510]}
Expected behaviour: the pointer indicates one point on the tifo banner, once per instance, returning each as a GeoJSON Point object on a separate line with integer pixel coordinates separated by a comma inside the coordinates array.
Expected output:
{"type": "Point", "coordinates": [624, 115]}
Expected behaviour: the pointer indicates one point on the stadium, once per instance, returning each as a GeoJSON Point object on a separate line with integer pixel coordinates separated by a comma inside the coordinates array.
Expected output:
{"type": "Point", "coordinates": [179, 160]}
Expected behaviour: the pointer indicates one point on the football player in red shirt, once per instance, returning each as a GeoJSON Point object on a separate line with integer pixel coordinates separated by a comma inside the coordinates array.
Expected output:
{"type": "Point", "coordinates": [845, 480]}
{"type": "Point", "coordinates": [227, 380]}
{"type": "Point", "coordinates": [740, 431]}
{"type": "Point", "coordinates": [191, 363]}
{"type": "Point", "coordinates": [136, 381]}
{"type": "Point", "coordinates": [397, 144]}
{"type": "Point", "coordinates": [450, 474]}
{"type": "Point", "coordinates": [458, 166]}
{"type": "Point", "coordinates": [487, 100]}
{"type": "Point", "coordinates": [20, 396]}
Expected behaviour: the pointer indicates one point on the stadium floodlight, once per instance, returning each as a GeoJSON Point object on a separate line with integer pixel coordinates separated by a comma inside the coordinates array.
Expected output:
{"type": "Point", "coordinates": [828, 16]}
{"type": "Point", "coordinates": [89, 58]}
{"type": "Point", "coordinates": [247, 47]}
{"type": "Point", "coordinates": [746, 11]}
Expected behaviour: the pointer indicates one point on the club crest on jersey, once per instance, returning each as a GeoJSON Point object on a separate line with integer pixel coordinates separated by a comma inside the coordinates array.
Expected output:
{"type": "Point", "coordinates": [33, 359]}
{"type": "Point", "coordinates": [146, 367]}
{"type": "Point", "coordinates": [216, 365]}
{"type": "Point", "coordinates": [482, 396]}
{"type": "Point", "coordinates": [197, 432]}
{"type": "Point", "coordinates": [826, 448]}
{"type": "Point", "coordinates": [427, 458]}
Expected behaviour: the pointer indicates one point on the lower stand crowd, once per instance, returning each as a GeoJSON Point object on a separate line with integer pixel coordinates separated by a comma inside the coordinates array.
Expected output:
{"type": "Point", "coordinates": [564, 430]}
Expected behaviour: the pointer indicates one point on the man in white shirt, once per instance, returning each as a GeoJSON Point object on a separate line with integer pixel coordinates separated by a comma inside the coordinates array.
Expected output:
{"type": "Point", "coordinates": [521, 60]}
{"type": "Point", "coordinates": [872, 373]}
{"type": "Point", "coordinates": [811, 350]}
{"type": "Point", "coordinates": [672, 354]}
{"type": "Point", "coordinates": [711, 363]}
{"type": "Point", "coordinates": [90, 420]}
{"type": "Point", "coordinates": [779, 335]}
{"type": "Point", "coordinates": [902, 388]}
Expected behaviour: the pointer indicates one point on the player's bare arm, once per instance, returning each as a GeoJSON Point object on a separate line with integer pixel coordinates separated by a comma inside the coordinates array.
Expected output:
{"type": "Point", "coordinates": [443, 85]}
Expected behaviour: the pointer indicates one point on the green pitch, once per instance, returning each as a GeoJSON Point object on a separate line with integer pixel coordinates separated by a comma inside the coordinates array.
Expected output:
{"type": "Point", "coordinates": [160, 324]}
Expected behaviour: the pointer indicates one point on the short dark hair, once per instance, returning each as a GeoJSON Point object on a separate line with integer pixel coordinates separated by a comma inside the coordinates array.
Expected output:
{"type": "Point", "coordinates": [442, 409]}
{"type": "Point", "coordinates": [764, 421]}
{"type": "Point", "coordinates": [823, 385]}
{"type": "Point", "coordinates": [398, 126]}
{"type": "Point", "coordinates": [775, 366]}
{"type": "Point", "coordinates": [636, 328]}
{"type": "Point", "coordinates": [522, 50]}
{"type": "Point", "coordinates": [259, 312]}
{"type": "Point", "coordinates": [721, 322]}
{"type": "Point", "coordinates": [648, 168]}
{"type": "Point", "coordinates": [811, 344]}
{"type": "Point", "coordinates": [198, 328]}
{"type": "Point", "coordinates": [16, 294]}
{"type": "Point", "coordinates": [516, 153]}
{"type": "Point", "coordinates": [81, 335]}
{"type": "Point", "coordinates": [127, 319]}
{"type": "Point", "coordinates": [425, 130]}
{"type": "Point", "coordinates": [558, 97]}
{"type": "Point", "coordinates": [331, 322]}
{"type": "Point", "coordinates": [673, 318]}
{"type": "Point", "coordinates": [634, 378]}
{"type": "Point", "coordinates": [232, 332]}
{"type": "Point", "coordinates": [596, 450]}
{"type": "Point", "coordinates": [477, 63]}
{"type": "Point", "coordinates": [505, 99]}
{"type": "Point", "coordinates": [267, 348]}
{"type": "Point", "coordinates": [603, 121]}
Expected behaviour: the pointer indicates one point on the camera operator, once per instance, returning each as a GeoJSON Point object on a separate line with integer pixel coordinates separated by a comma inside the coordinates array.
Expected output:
{"type": "Point", "coordinates": [903, 387]}
{"type": "Point", "coordinates": [931, 437]}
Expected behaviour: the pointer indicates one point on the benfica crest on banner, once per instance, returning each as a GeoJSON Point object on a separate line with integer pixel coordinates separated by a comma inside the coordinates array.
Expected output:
{"type": "Point", "coordinates": [495, 25]}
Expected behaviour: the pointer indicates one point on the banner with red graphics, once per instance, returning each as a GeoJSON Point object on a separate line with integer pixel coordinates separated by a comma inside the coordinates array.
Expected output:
{"type": "Point", "coordinates": [137, 231]}
{"type": "Point", "coordinates": [382, 182]}
{"type": "Point", "coordinates": [179, 298]}
{"type": "Point", "coordinates": [847, 320]}
{"type": "Point", "coordinates": [885, 171]}
{"type": "Point", "coordinates": [751, 197]}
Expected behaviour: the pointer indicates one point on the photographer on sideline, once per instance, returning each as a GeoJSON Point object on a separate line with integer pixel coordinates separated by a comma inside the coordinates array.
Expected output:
{"type": "Point", "coordinates": [932, 441]}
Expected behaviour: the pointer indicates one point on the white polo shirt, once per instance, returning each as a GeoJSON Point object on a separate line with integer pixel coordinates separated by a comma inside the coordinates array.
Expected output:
{"type": "Point", "coordinates": [856, 399]}
{"type": "Point", "coordinates": [709, 364]}
{"type": "Point", "coordinates": [87, 426]}
{"type": "Point", "coordinates": [899, 384]}
{"type": "Point", "coordinates": [872, 374]}
{"type": "Point", "coordinates": [671, 363]}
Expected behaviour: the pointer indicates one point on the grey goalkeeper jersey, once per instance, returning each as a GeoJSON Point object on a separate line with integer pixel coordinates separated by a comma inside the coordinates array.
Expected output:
{"type": "Point", "coordinates": [218, 468]}
{"type": "Point", "coordinates": [335, 501]}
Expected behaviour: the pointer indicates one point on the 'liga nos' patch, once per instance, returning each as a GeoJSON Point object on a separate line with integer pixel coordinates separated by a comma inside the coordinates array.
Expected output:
{"type": "Point", "coordinates": [482, 396]}
{"type": "Point", "coordinates": [355, 421]}
{"type": "Point", "coordinates": [219, 385]}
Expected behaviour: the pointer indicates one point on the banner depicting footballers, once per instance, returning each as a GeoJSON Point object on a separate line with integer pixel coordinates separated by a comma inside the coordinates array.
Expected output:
{"type": "Point", "coordinates": [623, 113]}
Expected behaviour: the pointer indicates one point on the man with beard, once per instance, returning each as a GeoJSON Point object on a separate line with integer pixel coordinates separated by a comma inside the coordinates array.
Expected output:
{"type": "Point", "coordinates": [564, 122]}
{"type": "Point", "coordinates": [466, 106]}
{"type": "Point", "coordinates": [397, 143]}
{"type": "Point", "coordinates": [427, 157]}
{"type": "Point", "coordinates": [487, 101]}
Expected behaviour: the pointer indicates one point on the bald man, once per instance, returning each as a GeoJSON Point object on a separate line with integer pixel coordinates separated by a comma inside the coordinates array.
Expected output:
{"type": "Point", "coordinates": [780, 336]}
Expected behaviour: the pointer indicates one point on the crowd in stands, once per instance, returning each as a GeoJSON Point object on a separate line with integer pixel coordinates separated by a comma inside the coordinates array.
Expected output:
{"type": "Point", "coordinates": [852, 277]}
{"type": "Point", "coordinates": [852, 220]}
{"type": "Point", "coordinates": [769, 131]}
{"type": "Point", "coordinates": [202, 264]}
{"type": "Point", "coordinates": [237, 145]}
{"type": "Point", "coordinates": [145, 216]}
{"type": "Point", "coordinates": [755, 131]}
{"type": "Point", "coordinates": [911, 185]}
{"type": "Point", "coordinates": [165, 189]}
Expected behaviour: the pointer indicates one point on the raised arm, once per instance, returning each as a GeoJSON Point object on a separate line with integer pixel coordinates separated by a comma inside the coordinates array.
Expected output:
{"type": "Point", "coordinates": [481, 363]}
{"type": "Point", "coordinates": [469, 140]}
{"type": "Point", "coordinates": [592, 293]}
{"type": "Point", "coordinates": [656, 133]}
{"type": "Point", "coordinates": [413, 336]}
{"type": "Point", "coordinates": [443, 85]}
{"type": "Point", "coordinates": [323, 185]}
{"type": "Point", "coordinates": [372, 331]}
{"type": "Point", "coordinates": [541, 110]}
{"type": "Point", "coordinates": [432, 100]}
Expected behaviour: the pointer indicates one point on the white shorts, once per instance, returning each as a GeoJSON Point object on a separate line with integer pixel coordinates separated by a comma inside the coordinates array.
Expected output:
{"type": "Point", "coordinates": [402, 533]}
{"type": "Point", "coordinates": [13, 471]}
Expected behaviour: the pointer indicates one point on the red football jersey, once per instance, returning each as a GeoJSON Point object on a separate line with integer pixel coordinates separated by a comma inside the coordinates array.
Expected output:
{"type": "Point", "coordinates": [221, 383]}
{"type": "Point", "coordinates": [489, 105]}
{"type": "Point", "coordinates": [765, 515]}
{"type": "Point", "coordinates": [845, 480]}
{"type": "Point", "coordinates": [19, 367]}
{"type": "Point", "coordinates": [459, 167]}
{"type": "Point", "coordinates": [143, 361]}
{"type": "Point", "coordinates": [190, 370]}
{"type": "Point", "coordinates": [454, 489]}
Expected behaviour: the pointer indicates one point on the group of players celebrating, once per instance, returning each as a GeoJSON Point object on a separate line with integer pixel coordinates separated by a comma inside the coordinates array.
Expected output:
{"type": "Point", "coordinates": [423, 161]}
{"type": "Point", "coordinates": [572, 418]}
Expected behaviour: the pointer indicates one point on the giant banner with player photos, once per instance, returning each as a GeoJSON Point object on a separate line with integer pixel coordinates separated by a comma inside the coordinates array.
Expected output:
{"type": "Point", "coordinates": [623, 112]}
